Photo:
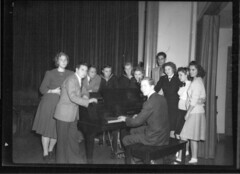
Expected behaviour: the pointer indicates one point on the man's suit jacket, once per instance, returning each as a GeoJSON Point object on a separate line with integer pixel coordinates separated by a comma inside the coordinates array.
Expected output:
{"type": "Point", "coordinates": [155, 114]}
{"type": "Point", "coordinates": [93, 85]}
{"type": "Point", "coordinates": [67, 109]}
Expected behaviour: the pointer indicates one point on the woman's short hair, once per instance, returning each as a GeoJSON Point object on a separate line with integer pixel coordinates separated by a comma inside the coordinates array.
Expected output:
{"type": "Point", "coordinates": [172, 65]}
{"type": "Point", "coordinates": [139, 69]}
{"type": "Point", "coordinates": [127, 64]}
{"type": "Point", "coordinates": [56, 58]}
{"type": "Point", "coordinates": [200, 71]}
{"type": "Point", "coordinates": [150, 80]}
{"type": "Point", "coordinates": [185, 70]}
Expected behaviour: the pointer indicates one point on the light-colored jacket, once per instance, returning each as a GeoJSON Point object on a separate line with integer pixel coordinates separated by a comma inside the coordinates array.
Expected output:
{"type": "Point", "coordinates": [93, 85]}
{"type": "Point", "coordinates": [67, 109]}
{"type": "Point", "coordinates": [156, 74]}
{"type": "Point", "coordinates": [195, 92]}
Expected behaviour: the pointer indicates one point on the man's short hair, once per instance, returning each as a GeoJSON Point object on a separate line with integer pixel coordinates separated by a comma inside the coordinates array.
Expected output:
{"type": "Point", "coordinates": [81, 64]}
{"type": "Point", "coordinates": [161, 54]}
{"type": "Point", "coordinates": [107, 66]}
{"type": "Point", "coordinates": [150, 80]}
{"type": "Point", "coordinates": [92, 66]}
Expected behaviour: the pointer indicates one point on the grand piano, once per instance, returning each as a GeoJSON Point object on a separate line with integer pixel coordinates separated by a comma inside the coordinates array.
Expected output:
{"type": "Point", "coordinates": [111, 103]}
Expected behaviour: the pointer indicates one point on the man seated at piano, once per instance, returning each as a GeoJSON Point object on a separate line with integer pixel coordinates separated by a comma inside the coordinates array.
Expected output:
{"type": "Point", "coordinates": [93, 80]}
{"type": "Point", "coordinates": [67, 113]}
{"type": "Point", "coordinates": [151, 125]}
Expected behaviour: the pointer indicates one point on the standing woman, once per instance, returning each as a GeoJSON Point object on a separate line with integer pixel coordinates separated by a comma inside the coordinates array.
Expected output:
{"type": "Point", "coordinates": [195, 124]}
{"type": "Point", "coordinates": [44, 123]}
{"type": "Point", "coordinates": [183, 74]}
{"type": "Point", "coordinates": [170, 84]}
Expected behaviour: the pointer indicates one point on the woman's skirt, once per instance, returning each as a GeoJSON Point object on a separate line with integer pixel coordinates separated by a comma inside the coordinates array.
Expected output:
{"type": "Point", "coordinates": [44, 123]}
{"type": "Point", "coordinates": [195, 127]}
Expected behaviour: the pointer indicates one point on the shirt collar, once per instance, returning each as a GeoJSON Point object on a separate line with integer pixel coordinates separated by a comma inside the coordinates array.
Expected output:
{"type": "Point", "coordinates": [79, 79]}
{"type": "Point", "coordinates": [88, 77]}
{"type": "Point", "coordinates": [150, 94]}
{"type": "Point", "coordinates": [170, 76]}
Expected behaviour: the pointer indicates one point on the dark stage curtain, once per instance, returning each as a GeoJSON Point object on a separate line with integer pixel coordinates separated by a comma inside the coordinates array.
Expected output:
{"type": "Point", "coordinates": [98, 33]}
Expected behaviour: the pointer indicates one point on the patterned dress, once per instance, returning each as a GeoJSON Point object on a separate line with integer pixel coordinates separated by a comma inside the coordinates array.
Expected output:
{"type": "Point", "coordinates": [44, 123]}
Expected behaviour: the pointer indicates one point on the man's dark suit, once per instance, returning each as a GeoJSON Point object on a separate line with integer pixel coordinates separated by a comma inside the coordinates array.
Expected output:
{"type": "Point", "coordinates": [155, 115]}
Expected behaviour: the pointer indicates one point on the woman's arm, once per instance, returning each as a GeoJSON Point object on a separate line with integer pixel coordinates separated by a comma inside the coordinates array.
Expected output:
{"type": "Point", "coordinates": [159, 84]}
{"type": "Point", "coordinates": [44, 88]}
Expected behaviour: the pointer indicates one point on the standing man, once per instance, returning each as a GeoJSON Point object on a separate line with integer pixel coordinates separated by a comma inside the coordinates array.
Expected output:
{"type": "Point", "coordinates": [67, 113]}
{"type": "Point", "coordinates": [157, 72]}
{"type": "Point", "coordinates": [152, 125]}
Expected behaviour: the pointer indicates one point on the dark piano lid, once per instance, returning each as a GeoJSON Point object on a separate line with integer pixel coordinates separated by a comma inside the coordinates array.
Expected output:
{"type": "Point", "coordinates": [126, 95]}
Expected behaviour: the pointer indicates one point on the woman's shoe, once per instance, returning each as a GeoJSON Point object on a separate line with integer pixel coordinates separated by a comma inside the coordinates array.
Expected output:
{"type": "Point", "coordinates": [100, 142]}
{"type": "Point", "coordinates": [45, 158]}
{"type": "Point", "coordinates": [177, 154]}
{"type": "Point", "coordinates": [51, 155]}
{"type": "Point", "coordinates": [193, 161]}
{"type": "Point", "coordinates": [178, 160]}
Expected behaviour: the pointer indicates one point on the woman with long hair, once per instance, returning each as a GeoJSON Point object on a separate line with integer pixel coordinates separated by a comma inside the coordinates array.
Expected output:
{"type": "Point", "coordinates": [195, 125]}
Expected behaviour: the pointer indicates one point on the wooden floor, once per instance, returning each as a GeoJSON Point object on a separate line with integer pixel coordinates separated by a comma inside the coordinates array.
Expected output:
{"type": "Point", "coordinates": [27, 149]}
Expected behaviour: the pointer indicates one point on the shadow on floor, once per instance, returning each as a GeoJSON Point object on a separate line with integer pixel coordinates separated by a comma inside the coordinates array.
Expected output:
{"type": "Point", "coordinates": [27, 149]}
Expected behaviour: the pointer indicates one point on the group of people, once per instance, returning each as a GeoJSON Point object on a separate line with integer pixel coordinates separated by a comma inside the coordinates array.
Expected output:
{"type": "Point", "coordinates": [184, 92]}
{"type": "Point", "coordinates": [174, 106]}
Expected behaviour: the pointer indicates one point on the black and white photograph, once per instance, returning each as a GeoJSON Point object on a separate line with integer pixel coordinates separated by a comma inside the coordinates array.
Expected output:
{"type": "Point", "coordinates": [120, 84]}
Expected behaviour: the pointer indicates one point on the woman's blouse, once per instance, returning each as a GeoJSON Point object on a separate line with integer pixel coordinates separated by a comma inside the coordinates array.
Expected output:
{"type": "Point", "coordinates": [182, 92]}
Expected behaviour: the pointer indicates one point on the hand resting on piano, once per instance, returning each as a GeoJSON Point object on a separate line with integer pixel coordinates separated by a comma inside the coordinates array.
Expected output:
{"type": "Point", "coordinates": [122, 118]}
{"type": "Point", "coordinates": [93, 100]}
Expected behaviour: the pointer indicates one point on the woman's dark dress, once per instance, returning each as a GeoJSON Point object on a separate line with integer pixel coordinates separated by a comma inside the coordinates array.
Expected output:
{"type": "Point", "coordinates": [170, 90]}
{"type": "Point", "coordinates": [44, 123]}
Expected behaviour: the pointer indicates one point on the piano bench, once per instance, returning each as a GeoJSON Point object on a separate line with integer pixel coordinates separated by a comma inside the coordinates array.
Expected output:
{"type": "Point", "coordinates": [148, 153]}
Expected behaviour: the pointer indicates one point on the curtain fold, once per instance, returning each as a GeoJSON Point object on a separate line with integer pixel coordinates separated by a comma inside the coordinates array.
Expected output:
{"type": "Point", "coordinates": [151, 33]}
{"type": "Point", "coordinates": [95, 32]}
{"type": "Point", "coordinates": [206, 55]}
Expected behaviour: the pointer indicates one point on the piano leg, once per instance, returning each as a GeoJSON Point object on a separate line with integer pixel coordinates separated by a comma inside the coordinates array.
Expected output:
{"type": "Point", "coordinates": [89, 148]}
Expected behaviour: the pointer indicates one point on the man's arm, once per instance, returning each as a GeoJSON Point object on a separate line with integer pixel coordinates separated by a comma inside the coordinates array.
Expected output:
{"type": "Point", "coordinates": [141, 117]}
{"type": "Point", "coordinates": [72, 93]}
